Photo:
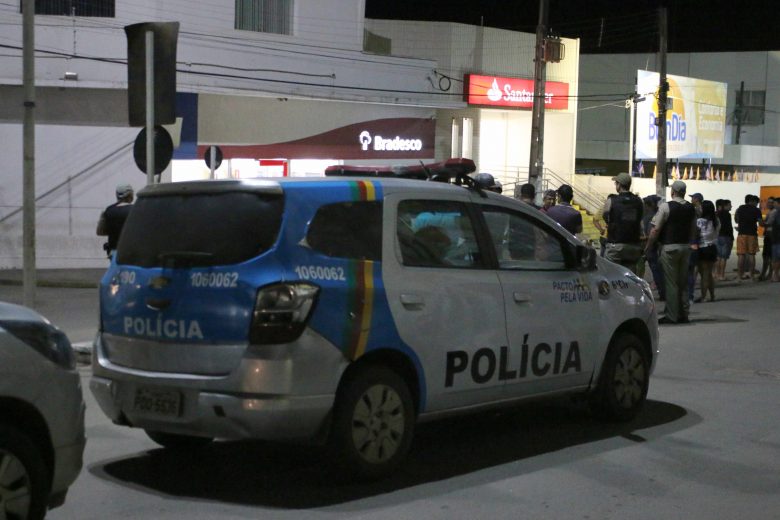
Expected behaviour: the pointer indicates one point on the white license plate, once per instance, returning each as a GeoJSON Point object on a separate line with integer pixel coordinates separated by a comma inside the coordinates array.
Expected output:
{"type": "Point", "coordinates": [160, 402]}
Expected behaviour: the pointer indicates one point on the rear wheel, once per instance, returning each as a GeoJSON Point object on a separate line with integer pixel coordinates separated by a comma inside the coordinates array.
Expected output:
{"type": "Point", "coordinates": [176, 441]}
{"type": "Point", "coordinates": [24, 479]}
{"type": "Point", "coordinates": [373, 423]}
{"type": "Point", "coordinates": [624, 380]}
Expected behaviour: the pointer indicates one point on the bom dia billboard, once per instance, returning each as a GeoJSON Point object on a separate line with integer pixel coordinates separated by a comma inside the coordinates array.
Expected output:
{"type": "Point", "coordinates": [695, 117]}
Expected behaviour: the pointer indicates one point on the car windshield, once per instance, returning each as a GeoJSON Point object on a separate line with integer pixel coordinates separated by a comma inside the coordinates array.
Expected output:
{"type": "Point", "coordinates": [201, 229]}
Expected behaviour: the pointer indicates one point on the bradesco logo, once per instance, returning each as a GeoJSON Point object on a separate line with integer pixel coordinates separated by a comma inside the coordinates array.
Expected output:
{"type": "Point", "coordinates": [513, 92]}
{"type": "Point", "coordinates": [380, 144]}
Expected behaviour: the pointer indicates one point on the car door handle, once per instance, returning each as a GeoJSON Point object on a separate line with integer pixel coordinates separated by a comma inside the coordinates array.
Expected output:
{"type": "Point", "coordinates": [412, 302]}
{"type": "Point", "coordinates": [157, 304]}
{"type": "Point", "coordinates": [520, 297]}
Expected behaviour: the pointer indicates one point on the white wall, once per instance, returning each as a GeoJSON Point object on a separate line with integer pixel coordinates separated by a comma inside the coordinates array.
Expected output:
{"type": "Point", "coordinates": [712, 190]}
{"type": "Point", "coordinates": [322, 59]}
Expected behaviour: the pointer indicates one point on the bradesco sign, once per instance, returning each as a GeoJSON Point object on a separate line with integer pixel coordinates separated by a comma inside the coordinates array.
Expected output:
{"type": "Point", "coordinates": [496, 91]}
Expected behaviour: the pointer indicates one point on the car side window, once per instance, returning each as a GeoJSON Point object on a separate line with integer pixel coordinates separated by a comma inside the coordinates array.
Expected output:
{"type": "Point", "coordinates": [348, 230]}
{"type": "Point", "coordinates": [436, 233]}
{"type": "Point", "coordinates": [521, 242]}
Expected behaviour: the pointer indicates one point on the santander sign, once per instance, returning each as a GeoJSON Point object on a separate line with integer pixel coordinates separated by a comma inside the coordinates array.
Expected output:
{"type": "Point", "coordinates": [496, 91]}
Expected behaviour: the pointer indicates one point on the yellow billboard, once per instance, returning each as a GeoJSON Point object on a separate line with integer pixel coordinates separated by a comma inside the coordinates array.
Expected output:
{"type": "Point", "coordinates": [695, 117]}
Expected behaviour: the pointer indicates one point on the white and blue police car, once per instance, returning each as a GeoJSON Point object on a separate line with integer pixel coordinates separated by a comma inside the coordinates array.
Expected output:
{"type": "Point", "coordinates": [346, 309]}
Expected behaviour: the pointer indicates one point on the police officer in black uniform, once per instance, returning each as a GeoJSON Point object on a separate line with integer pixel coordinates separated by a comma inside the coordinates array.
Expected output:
{"type": "Point", "coordinates": [675, 227]}
{"type": "Point", "coordinates": [623, 215]}
{"type": "Point", "coordinates": [113, 217]}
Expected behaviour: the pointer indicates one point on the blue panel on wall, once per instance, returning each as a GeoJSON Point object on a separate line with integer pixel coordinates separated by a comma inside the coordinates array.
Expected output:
{"type": "Point", "coordinates": [187, 109]}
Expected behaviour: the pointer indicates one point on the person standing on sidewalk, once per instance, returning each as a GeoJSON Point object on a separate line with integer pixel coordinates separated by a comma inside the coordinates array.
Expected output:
{"type": "Point", "coordinates": [623, 215]}
{"type": "Point", "coordinates": [113, 217]}
{"type": "Point", "coordinates": [563, 212]}
{"type": "Point", "coordinates": [725, 237]}
{"type": "Point", "coordinates": [773, 228]}
{"type": "Point", "coordinates": [708, 225]}
{"type": "Point", "coordinates": [675, 227]}
{"type": "Point", "coordinates": [747, 218]}
{"type": "Point", "coordinates": [766, 251]}
{"type": "Point", "coordinates": [652, 255]}
{"type": "Point", "coordinates": [548, 200]}
{"type": "Point", "coordinates": [528, 194]}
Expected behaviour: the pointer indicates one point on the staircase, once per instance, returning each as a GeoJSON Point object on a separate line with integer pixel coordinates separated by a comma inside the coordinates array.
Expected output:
{"type": "Point", "coordinates": [589, 231]}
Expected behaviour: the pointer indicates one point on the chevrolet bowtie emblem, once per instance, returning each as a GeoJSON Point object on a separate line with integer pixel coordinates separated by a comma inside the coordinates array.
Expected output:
{"type": "Point", "coordinates": [159, 282]}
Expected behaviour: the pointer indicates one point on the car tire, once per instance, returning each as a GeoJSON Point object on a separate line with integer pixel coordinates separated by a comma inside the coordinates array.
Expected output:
{"type": "Point", "coordinates": [177, 441]}
{"type": "Point", "coordinates": [625, 375]}
{"type": "Point", "coordinates": [24, 477]}
{"type": "Point", "coordinates": [373, 423]}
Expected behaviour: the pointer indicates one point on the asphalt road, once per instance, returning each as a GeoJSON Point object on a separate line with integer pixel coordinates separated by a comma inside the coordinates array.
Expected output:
{"type": "Point", "coordinates": [706, 447]}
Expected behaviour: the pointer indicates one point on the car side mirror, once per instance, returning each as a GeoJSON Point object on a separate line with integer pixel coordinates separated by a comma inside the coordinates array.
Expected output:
{"type": "Point", "coordinates": [586, 258]}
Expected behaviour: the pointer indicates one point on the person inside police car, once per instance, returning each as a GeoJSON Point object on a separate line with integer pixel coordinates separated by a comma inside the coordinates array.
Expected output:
{"type": "Point", "coordinates": [623, 215]}
{"type": "Point", "coordinates": [112, 219]}
{"type": "Point", "coordinates": [675, 227]}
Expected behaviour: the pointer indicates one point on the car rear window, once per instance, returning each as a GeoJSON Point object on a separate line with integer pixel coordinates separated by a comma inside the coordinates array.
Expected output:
{"type": "Point", "coordinates": [348, 230]}
{"type": "Point", "coordinates": [200, 229]}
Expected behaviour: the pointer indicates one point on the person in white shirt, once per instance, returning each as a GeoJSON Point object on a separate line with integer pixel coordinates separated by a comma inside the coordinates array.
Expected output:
{"type": "Point", "coordinates": [709, 228]}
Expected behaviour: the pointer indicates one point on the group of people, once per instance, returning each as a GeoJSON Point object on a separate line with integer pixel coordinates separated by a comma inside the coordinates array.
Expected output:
{"type": "Point", "coordinates": [679, 239]}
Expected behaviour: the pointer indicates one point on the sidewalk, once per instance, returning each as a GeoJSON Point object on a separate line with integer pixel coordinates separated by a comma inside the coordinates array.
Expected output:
{"type": "Point", "coordinates": [86, 278]}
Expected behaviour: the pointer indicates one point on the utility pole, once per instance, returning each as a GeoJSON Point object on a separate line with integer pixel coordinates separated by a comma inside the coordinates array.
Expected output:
{"type": "Point", "coordinates": [536, 162]}
{"type": "Point", "coordinates": [740, 110]}
{"type": "Point", "coordinates": [663, 88]}
{"type": "Point", "coordinates": [28, 153]}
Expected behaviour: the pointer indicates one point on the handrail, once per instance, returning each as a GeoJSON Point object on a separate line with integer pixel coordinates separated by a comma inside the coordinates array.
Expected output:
{"type": "Point", "coordinates": [513, 176]}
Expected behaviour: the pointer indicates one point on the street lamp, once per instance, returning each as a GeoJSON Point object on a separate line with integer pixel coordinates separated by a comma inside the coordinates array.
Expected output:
{"type": "Point", "coordinates": [631, 105]}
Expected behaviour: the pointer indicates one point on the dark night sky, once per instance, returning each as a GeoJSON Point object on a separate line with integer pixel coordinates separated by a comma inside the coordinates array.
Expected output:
{"type": "Point", "coordinates": [611, 26]}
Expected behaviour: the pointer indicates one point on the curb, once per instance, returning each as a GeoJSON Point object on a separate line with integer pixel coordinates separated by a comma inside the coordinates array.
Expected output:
{"type": "Point", "coordinates": [62, 284]}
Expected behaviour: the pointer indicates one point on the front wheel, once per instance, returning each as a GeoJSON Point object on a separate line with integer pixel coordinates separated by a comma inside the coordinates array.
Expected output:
{"type": "Point", "coordinates": [176, 441]}
{"type": "Point", "coordinates": [24, 480]}
{"type": "Point", "coordinates": [624, 380]}
{"type": "Point", "coordinates": [373, 423]}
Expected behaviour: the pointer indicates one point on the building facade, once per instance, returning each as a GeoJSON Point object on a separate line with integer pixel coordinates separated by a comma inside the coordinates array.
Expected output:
{"type": "Point", "coordinates": [282, 87]}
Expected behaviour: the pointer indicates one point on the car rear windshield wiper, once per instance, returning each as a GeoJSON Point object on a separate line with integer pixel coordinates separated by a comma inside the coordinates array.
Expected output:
{"type": "Point", "coordinates": [172, 259]}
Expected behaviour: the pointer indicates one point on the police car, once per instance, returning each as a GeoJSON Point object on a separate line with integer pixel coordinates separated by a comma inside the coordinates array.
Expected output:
{"type": "Point", "coordinates": [347, 309]}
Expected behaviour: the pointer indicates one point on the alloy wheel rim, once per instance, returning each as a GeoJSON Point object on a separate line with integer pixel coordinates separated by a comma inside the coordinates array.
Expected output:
{"type": "Point", "coordinates": [630, 375]}
{"type": "Point", "coordinates": [378, 424]}
{"type": "Point", "coordinates": [15, 488]}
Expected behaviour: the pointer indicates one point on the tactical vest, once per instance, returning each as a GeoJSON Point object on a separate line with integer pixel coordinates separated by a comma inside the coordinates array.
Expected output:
{"type": "Point", "coordinates": [677, 228]}
{"type": "Point", "coordinates": [625, 218]}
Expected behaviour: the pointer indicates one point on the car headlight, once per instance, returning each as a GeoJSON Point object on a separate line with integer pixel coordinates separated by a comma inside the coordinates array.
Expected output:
{"type": "Point", "coordinates": [642, 283]}
{"type": "Point", "coordinates": [47, 340]}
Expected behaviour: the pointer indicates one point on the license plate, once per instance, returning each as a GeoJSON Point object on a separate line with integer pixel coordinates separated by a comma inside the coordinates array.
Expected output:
{"type": "Point", "coordinates": [159, 402]}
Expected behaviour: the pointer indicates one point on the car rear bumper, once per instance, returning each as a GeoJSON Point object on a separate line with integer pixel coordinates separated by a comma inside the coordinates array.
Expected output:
{"type": "Point", "coordinates": [219, 415]}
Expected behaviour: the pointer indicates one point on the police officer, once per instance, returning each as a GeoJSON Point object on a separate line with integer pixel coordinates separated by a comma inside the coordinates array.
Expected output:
{"type": "Point", "coordinates": [487, 182]}
{"type": "Point", "coordinates": [675, 227]}
{"type": "Point", "coordinates": [113, 217]}
{"type": "Point", "coordinates": [623, 215]}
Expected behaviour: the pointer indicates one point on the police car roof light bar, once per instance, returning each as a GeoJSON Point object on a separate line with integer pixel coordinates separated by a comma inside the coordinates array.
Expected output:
{"type": "Point", "coordinates": [456, 168]}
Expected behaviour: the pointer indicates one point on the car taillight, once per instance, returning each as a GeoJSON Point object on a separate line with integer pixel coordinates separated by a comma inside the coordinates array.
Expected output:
{"type": "Point", "coordinates": [281, 312]}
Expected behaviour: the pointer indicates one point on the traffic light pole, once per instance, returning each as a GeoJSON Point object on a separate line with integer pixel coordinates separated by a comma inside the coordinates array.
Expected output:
{"type": "Point", "coordinates": [149, 107]}
{"type": "Point", "coordinates": [29, 280]}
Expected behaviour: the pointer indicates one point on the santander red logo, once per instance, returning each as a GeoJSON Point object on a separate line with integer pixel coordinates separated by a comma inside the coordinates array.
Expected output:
{"type": "Point", "coordinates": [513, 92]}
